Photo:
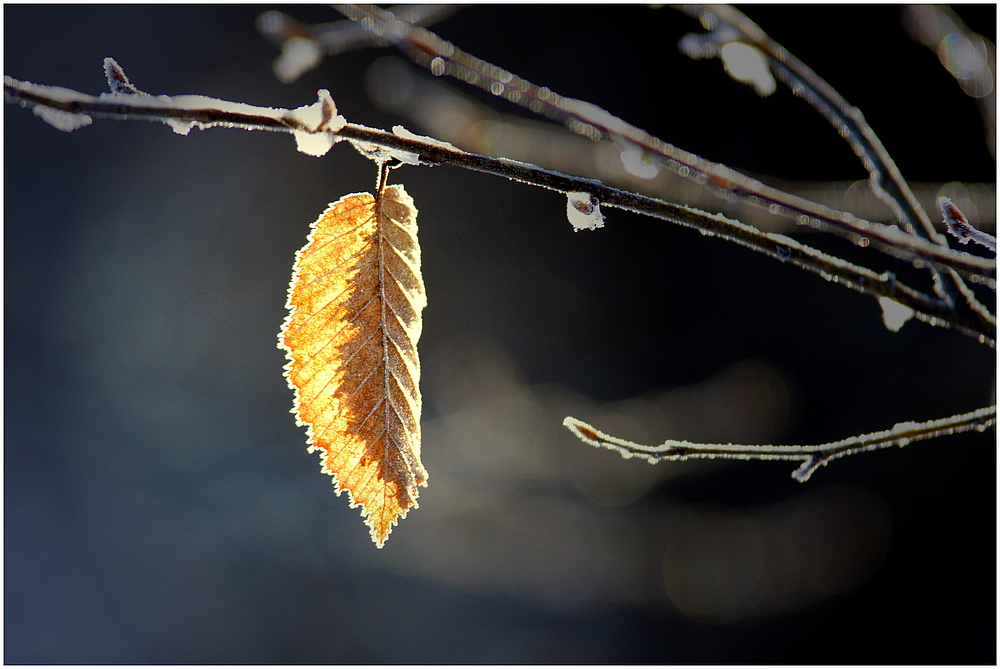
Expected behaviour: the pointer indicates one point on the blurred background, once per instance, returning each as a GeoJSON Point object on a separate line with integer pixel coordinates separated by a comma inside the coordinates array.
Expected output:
{"type": "Point", "coordinates": [160, 506]}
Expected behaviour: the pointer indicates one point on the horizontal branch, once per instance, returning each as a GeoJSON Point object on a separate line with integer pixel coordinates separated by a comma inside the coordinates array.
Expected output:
{"type": "Point", "coordinates": [812, 457]}
{"type": "Point", "coordinates": [442, 57]}
{"type": "Point", "coordinates": [407, 147]}
{"type": "Point", "coordinates": [885, 179]}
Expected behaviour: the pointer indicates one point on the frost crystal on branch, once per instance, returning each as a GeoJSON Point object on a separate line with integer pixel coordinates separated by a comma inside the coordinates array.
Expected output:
{"type": "Point", "coordinates": [314, 126]}
{"type": "Point", "coordinates": [322, 115]}
{"type": "Point", "coordinates": [958, 226]}
{"type": "Point", "coordinates": [117, 81]}
{"type": "Point", "coordinates": [62, 120]}
{"type": "Point", "coordinates": [894, 314]}
{"type": "Point", "coordinates": [901, 434]}
{"type": "Point", "coordinates": [298, 56]}
{"type": "Point", "coordinates": [748, 65]}
{"type": "Point", "coordinates": [382, 155]}
{"type": "Point", "coordinates": [584, 211]}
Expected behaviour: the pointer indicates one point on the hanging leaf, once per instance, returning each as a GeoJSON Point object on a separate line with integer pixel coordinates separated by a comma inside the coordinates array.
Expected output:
{"type": "Point", "coordinates": [351, 338]}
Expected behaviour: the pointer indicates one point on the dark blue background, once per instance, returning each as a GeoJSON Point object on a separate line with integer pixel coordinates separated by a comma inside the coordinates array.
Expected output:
{"type": "Point", "coordinates": [159, 504]}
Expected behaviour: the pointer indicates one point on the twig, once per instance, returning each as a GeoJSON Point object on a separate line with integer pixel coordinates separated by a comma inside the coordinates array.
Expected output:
{"type": "Point", "coordinates": [441, 57]}
{"type": "Point", "coordinates": [448, 114]}
{"type": "Point", "coordinates": [958, 226]}
{"type": "Point", "coordinates": [209, 112]}
{"type": "Point", "coordinates": [884, 177]}
{"type": "Point", "coordinates": [812, 457]}
{"type": "Point", "coordinates": [303, 46]}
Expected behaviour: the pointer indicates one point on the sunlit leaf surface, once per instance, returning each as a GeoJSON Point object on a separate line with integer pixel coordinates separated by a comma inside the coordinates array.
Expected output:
{"type": "Point", "coordinates": [351, 339]}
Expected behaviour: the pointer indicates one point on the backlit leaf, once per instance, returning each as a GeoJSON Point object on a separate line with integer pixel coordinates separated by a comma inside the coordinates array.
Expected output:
{"type": "Point", "coordinates": [351, 339]}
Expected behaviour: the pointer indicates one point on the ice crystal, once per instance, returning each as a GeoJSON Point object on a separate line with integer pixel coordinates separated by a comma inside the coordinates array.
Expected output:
{"type": "Point", "coordinates": [400, 131]}
{"type": "Point", "coordinates": [638, 164]}
{"type": "Point", "coordinates": [894, 314]}
{"type": "Point", "coordinates": [298, 56]}
{"type": "Point", "coordinates": [584, 211]}
{"type": "Point", "coordinates": [323, 122]}
{"type": "Point", "coordinates": [748, 65]}
{"type": "Point", "coordinates": [62, 120]}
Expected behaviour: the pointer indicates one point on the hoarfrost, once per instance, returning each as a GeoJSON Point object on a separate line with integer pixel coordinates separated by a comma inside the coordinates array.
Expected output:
{"type": "Point", "coordinates": [57, 93]}
{"type": "Point", "coordinates": [180, 127]}
{"type": "Point", "coordinates": [637, 163]}
{"type": "Point", "coordinates": [894, 314]}
{"type": "Point", "coordinates": [180, 102]}
{"type": "Point", "coordinates": [959, 227]}
{"type": "Point", "coordinates": [584, 211]}
{"type": "Point", "coordinates": [61, 120]}
{"type": "Point", "coordinates": [314, 126]}
{"type": "Point", "coordinates": [117, 81]}
{"type": "Point", "coordinates": [594, 115]}
{"type": "Point", "coordinates": [748, 65]}
{"type": "Point", "coordinates": [314, 143]}
{"type": "Point", "coordinates": [298, 56]}
{"type": "Point", "coordinates": [706, 45]}
{"type": "Point", "coordinates": [743, 62]}
{"type": "Point", "coordinates": [322, 117]}
{"type": "Point", "coordinates": [382, 155]}
{"type": "Point", "coordinates": [900, 428]}
{"type": "Point", "coordinates": [400, 131]}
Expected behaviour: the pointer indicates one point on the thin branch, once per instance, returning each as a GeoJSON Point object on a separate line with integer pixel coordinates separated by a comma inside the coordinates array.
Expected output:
{"type": "Point", "coordinates": [812, 457]}
{"type": "Point", "coordinates": [303, 46]}
{"type": "Point", "coordinates": [959, 227]}
{"type": "Point", "coordinates": [731, 25]}
{"type": "Point", "coordinates": [441, 57]}
{"type": "Point", "coordinates": [209, 112]}
{"type": "Point", "coordinates": [885, 178]}
{"type": "Point", "coordinates": [448, 114]}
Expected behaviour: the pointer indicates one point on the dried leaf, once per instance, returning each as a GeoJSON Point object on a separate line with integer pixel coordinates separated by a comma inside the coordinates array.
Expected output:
{"type": "Point", "coordinates": [351, 338]}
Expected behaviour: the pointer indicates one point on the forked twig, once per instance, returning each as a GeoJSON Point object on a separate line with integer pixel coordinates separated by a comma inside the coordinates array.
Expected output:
{"type": "Point", "coordinates": [731, 25]}
{"type": "Point", "coordinates": [442, 57]}
{"type": "Point", "coordinates": [812, 457]}
{"type": "Point", "coordinates": [317, 128]}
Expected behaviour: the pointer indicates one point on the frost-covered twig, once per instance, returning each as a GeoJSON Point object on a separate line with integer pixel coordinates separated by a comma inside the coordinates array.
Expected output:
{"type": "Point", "coordinates": [958, 226]}
{"type": "Point", "coordinates": [316, 128]}
{"type": "Point", "coordinates": [812, 457]}
{"type": "Point", "coordinates": [303, 46]}
{"type": "Point", "coordinates": [731, 27]}
{"type": "Point", "coordinates": [446, 113]}
{"type": "Point", "coordinates": [442, 57]}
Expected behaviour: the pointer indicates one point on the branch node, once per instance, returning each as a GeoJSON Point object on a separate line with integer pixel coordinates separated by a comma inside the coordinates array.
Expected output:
{"type": "Point", "coordinates": [117, 81]}
{"type": "Point", "coordinates": [807, 468]}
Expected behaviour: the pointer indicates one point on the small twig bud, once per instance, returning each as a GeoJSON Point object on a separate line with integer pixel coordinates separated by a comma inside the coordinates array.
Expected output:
{"type": "Point", "coordinates": [117, 81]}
{"type": "Point", "coordinates": [958, 226]}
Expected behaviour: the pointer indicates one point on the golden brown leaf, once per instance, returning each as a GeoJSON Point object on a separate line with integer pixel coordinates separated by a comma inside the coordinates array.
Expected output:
{"type": "Point", "coordinates": [351, 338]}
